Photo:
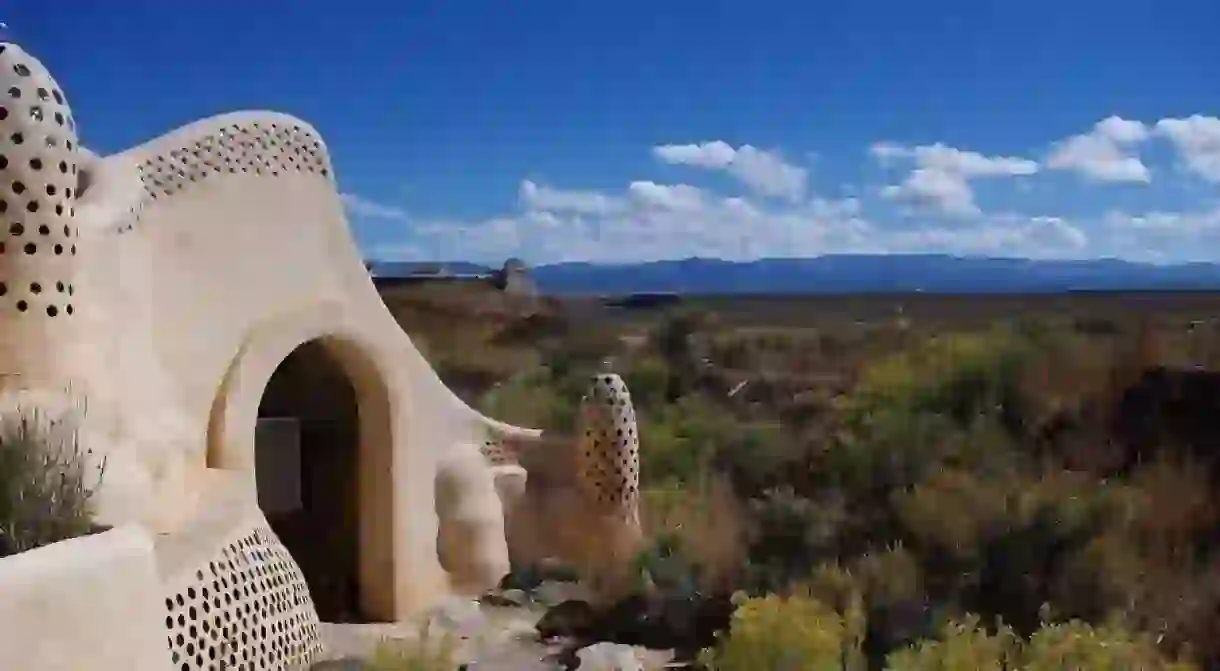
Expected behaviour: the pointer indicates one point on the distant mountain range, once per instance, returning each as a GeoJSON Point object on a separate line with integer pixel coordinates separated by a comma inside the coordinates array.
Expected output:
{"type": "Point", "coordinates": [838, 274]}
{"type": "Point", "coordinates": [425, 268]}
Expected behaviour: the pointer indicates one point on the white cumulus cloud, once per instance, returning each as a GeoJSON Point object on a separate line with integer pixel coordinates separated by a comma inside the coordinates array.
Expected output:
{"type": "Point", "coordinates": [1105, 153]}
{"type": "Point", "coordinates": [363, 207]}
{"type": "Point", "coordinates": [777, 215]}
{"type": "Point", "coordinates": [942, 174]}
{"type": "Point", "coordinates": [663, 196]}
{"type": "Point", "coordinates": [545, 198]}
{"type": "Point", "coordinates": [647, 221]}
{"type": "Point", "coordinates": [1197, 142]}
{"type": "Point", "coordinates": [766, 173]}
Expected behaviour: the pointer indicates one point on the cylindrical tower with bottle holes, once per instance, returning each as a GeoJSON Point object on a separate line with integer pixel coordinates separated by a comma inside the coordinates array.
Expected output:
{"type": "Point", "coordinates": [608, 460]}
{"type": "Point", "coordinates": [38, 232]}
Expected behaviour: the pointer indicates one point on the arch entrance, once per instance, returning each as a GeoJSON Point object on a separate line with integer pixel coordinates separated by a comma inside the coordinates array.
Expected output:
{"type": "Point", "coordinates": [313, 423]}
{"type": "Point", "coordinates": [306, 459]}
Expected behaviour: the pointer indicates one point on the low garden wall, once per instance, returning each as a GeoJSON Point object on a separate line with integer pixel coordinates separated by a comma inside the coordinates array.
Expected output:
{"type": "Point", "coordinates": [87, 603]}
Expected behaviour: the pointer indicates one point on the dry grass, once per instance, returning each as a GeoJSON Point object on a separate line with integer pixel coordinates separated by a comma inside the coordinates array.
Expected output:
{"type": "Point", "coordinates": [1152, 561]}
{"type": "Point", "coordinates": [428, 652]}
{"type": "Point", "coordinates": [47, 482]}
{"type": "Point", "coordinates": [709, 525]}
{"type": "Point", "coordinates": [456, 327]}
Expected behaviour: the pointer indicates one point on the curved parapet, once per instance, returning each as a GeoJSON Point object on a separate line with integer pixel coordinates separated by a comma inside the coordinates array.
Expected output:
{"type": "Point", "coordinates": [244, 143]}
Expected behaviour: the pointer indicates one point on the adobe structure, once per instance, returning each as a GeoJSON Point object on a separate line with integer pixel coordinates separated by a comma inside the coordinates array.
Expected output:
{"type": "Point", "coordinates": [272, 439]}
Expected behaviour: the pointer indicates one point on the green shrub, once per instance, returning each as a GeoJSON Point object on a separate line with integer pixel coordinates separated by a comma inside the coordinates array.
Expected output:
{"type": "Point", "coordinates": [966, 646]}
{"type": "Point", "coordinates": [960, 376]}
{"type": "Point", "coordinates": [791, 535]}
{"type": "Point", "coordinates": [531, 400]}
{"type": "Point", "coordinates": [679, 440]}
{"type": "Point", "coordinates": [1004, 548]}
{"type": "Point", "coordinates": [962, 646]}
{"type": "Point", "coordinates": [46, 483]}
{"type": "Point", "coordinates": [758, 455]}
{"type": "Point", "coordinates": [895, 600]}
{"type": "Point", "coordinates": [894, 449]}
{"type": "Point", "coordinates": [800, 632]}
{"type": "Point", "coordinates": [665, 565]}
{"type": "Point", "coordinates": [581, 350]}
{"type": "Point", "coordinates": [951, 403]}
{"type": "Point", "coordinates": [647, 379]}
{"type": "Point", "coordinates": [1157, 565]}
{"type": "Point", "coordinates": [787, 633]}
{"type": "Point", "coordinates": [1076, 645]}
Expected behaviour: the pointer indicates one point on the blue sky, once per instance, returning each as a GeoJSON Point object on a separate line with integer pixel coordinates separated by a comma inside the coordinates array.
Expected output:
{"type": "Point", "coordinates": [564, 130]}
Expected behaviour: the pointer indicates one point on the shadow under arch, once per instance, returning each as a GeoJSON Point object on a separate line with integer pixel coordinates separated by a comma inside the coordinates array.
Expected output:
{"type": "Point", "coordinates": [234, 421]}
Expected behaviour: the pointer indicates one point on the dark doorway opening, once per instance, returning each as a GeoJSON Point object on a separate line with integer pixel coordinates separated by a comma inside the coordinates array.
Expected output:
{"type": "Point", "coordinates": [307, 449]}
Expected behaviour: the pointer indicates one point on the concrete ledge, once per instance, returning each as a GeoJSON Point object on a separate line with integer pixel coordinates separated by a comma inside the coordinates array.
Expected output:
{"type": "Point", "coordinates": [84, 603]}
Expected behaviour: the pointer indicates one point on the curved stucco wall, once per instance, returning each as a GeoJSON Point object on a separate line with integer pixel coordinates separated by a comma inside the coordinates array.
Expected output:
{"type": "Point", "coordinates": [237, 253]}
{"type": "Point", "coordinates": [195, 263]}
{"type": "Point", "coordinates": [85, 603]}
{"type": "Point", "coordinates": [231, 595]}
{"type": "Point", "coordinates": [243, 253]}
{"type": "Point", "coordinates": [223, 592]}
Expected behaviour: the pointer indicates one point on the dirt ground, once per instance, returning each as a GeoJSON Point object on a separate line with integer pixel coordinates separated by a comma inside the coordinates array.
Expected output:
{"type": "Point", "coordinates": [490, 638]}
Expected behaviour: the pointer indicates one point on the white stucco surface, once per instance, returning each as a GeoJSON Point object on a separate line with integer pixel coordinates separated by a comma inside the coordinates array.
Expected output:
{"type": "Point", "coordinates": [160, 288]}
{"type": "Point", "coordinates": [86, 603]}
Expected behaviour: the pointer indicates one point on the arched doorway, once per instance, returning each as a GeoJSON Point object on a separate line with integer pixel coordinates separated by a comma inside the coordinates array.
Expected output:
{"type": "Point", "coordinates": [308, 452]}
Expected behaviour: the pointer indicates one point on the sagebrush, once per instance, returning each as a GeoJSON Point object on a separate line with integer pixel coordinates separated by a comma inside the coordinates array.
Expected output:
{"type": "Point", "coordinates": [47, 482]}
